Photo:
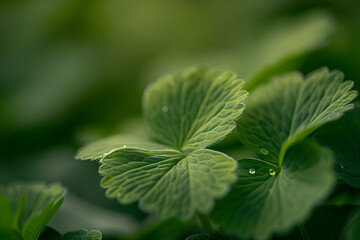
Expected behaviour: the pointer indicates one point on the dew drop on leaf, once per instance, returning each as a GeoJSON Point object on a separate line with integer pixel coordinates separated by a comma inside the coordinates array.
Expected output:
{"type": "Point", "coordinates": [341, 166]}
{"type": "Point", "coordinates": [164, 109]}
{"type": "Point", "coordinates": [124, 146]}
{"type": "Point", "coordinates": [252, 171]}
{"type": "Point", "coordinates": [272, 172]}
{"type": "Point", "coordinates": [264, 151]}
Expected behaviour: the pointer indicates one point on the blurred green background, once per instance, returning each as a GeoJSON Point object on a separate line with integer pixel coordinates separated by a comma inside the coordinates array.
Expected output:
{"type": "Point", "coordinates": [74, 71]}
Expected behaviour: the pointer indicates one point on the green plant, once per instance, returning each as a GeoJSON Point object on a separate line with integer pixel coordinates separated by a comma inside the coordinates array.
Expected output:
{"type": "Point", "coordinates": [26, 208]}
{"type": "Point", "coordinates": [173, 171]}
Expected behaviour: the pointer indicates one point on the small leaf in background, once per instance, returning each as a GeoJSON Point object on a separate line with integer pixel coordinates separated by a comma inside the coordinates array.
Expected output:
{"type": "Point", "coordinates": [343, 137]}
{"type": "Point", "coordinates": [83, 235]}
{"type": "Point", "coordinates": [171, 173]}
{"type": "Point", "coordinates": [32, 207]}
{"type": "Point", "coordinates": [267, 199]}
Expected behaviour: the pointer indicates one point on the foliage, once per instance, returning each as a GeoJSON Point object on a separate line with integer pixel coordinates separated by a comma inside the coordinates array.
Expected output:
{"type": "Point", "coordinates": [72, 73]}
{"type": "Point", "coordinates": [26, 209]}
{"type": "Point", "coordinates": [172, 173]}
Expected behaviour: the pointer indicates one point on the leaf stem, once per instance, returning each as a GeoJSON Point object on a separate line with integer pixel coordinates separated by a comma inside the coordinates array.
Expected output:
{"type": "Point", "coordinates": [303, 232]}
{"type": "Point", "coordinates": [205, 223]}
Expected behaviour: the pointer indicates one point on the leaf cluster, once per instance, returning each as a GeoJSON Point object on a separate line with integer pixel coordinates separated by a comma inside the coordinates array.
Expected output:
{"type": "Point", "coordinates": [172, 170]}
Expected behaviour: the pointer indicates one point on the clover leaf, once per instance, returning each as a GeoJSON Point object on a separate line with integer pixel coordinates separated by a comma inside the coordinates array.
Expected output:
{"type": "Point", "coordinates": [281, 187]}
{"type": "Point", "coordinates": [170, 172]}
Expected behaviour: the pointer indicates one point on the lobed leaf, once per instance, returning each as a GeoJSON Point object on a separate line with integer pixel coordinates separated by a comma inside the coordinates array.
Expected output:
{"type": "Point", "coordinates": [267, 199]}
{"type": "Point", "coordinates": [290, 108]}
{"type": "Point", "coordinates": [194, 109]}
{"type": "Point", "coordinates": [170, 172]}
{"type": "Point", "coordinates": [168, 183]}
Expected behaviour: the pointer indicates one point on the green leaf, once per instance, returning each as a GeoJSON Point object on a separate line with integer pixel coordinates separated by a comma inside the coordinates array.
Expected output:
{"type": "Point", "coordinates": [32, 206]}
{"type": "Point", "coordinates": [343, 137]}
{"type": "Point", "coordinates": [168, 183]}
{"type": "Point", "coordinates": [280, 189]}
{"type": "Point", "coordinates": [83, 235]}
{"type": "Point", "coordinates": [290, 108]}
{"type": "Point", "coordinates": [194, 109]}
{"type": "Point", "coordinates": [170, 172]}
{"type": "Point", "coordinates": [267, 199]}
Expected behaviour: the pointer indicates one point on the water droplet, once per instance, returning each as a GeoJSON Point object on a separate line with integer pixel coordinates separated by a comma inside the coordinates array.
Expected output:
{"type": "Point", "coordinates": [164, 109]}
{"type": "Point", "coordinates": [272, 172]}
{"type": "Point", "coordinates": [264, 151]}
{"type": "Point", "coordinates": [252, 171]}
{"type": "Point", "coordinates": [124, 146]}
{"type": "Point", "coordinates": [341, 166]}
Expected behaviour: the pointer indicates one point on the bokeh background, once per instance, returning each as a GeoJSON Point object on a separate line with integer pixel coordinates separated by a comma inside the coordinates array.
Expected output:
{"type": "Point", "coordinates": [74, 71]}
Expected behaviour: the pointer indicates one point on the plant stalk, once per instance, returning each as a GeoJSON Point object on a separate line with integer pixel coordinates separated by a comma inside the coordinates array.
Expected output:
{"type": "Point", "coordinates": [205, 223]}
